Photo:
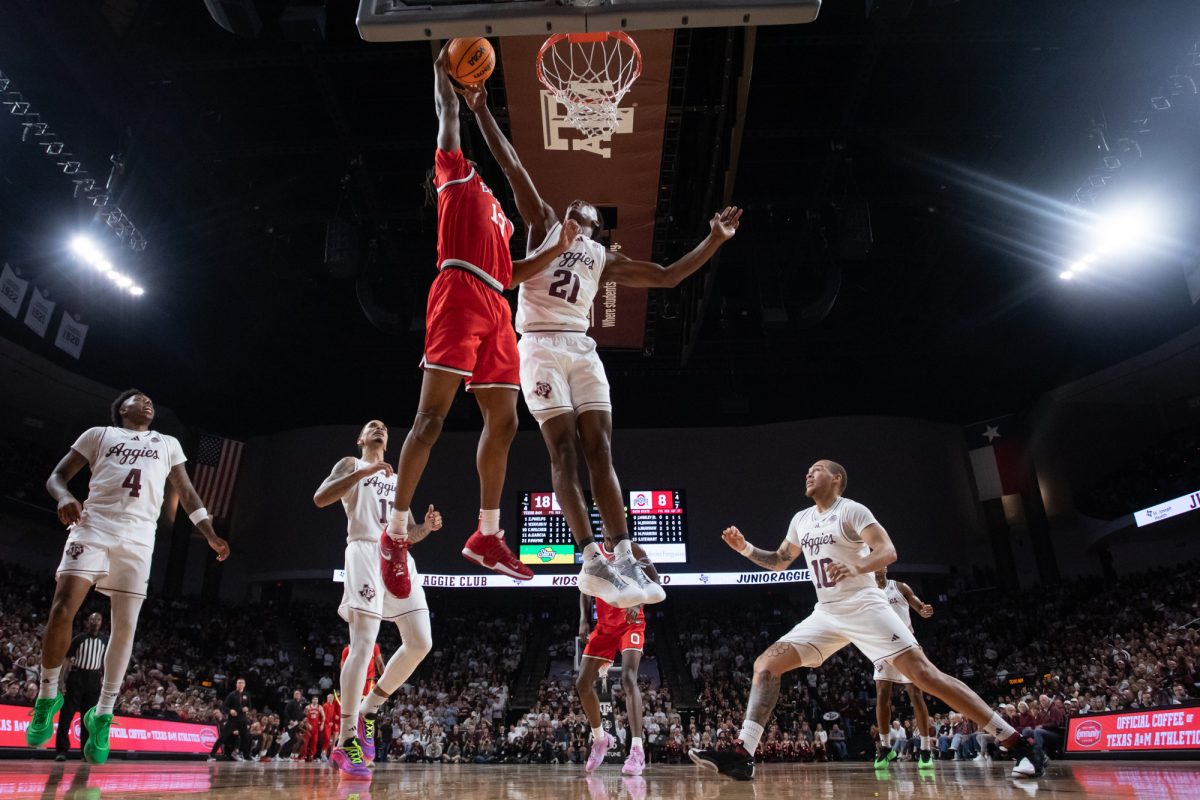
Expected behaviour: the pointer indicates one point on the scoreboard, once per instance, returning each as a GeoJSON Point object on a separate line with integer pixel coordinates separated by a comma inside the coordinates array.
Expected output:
{"type": "Point", "coordinates": [657, 522]}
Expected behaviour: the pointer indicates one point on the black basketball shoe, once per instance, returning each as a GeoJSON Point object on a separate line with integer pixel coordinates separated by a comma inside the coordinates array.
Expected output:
{"type": "Point", "coordinates": [736, 763]}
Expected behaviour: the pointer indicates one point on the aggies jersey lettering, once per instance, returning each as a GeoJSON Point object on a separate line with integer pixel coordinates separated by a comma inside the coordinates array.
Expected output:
{"type": "Point", "coordinates": [833, 536]}
{"type": "Point", "coordinates": [610, 617]}
{"type": "Point", "coordinates": [368, 505]}
{"type": "Point", "coordinates": [129, 471]}
{"type": "Point", "coordinates": [473, 233]}
{"type": "Point", "coordinates": [898, 603]}
{"type": "Point", "coordinates": [559, 299]}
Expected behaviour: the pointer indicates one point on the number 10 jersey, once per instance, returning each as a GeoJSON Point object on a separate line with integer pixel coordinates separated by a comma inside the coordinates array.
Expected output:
{"type": "Point", "coordinates": [559, 299]}
{"type": "Point", "coordinates": [833, 535]}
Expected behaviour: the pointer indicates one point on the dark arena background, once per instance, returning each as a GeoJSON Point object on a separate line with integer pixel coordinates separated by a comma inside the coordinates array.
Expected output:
{"type": "Point", "coordinates": [967, 269]}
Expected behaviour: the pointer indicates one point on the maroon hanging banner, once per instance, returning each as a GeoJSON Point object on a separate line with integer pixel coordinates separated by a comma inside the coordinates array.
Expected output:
{"type": "Point", "coordinates": [618, 171]}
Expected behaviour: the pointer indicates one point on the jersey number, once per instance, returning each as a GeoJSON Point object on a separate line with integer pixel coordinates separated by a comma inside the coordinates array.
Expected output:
{"type": "Point", "coordinates": [559, 287]}
{"type": "Point", "coordinates": [133, 482]}
{"type": "Point", "coordinates": [498, 218]}
{"type": "Point", "coordinates": [820, 578]}
{"type": "Point", "coordinates": [385, 509]}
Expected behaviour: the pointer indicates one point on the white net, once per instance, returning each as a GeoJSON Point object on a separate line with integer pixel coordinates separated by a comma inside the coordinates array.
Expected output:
{"type": "Point", "coordinates": [589, 75]}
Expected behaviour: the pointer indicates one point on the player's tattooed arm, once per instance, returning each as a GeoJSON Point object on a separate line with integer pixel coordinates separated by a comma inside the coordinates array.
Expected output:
{"type": "Point", "coordinates": [767, 559]}
{"type": "Point", "coordinates": [344, 476]}
{"type": "Point", "coordinates": [431, 523]}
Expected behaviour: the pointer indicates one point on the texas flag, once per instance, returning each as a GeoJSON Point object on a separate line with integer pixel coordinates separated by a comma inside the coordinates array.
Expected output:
{"type": "Point", "coordinates": [996, 454]}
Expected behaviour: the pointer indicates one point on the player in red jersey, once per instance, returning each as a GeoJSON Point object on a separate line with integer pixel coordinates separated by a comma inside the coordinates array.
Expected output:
{"type": "Point", "coordinates": [468, 335]}
{"type": "Point", "coordinates": [373, 669]}
{"type": "Point", "coordinates": [618, 630]}
{"type": "Point", "coordinates": [315, 715]}
{"type": "Point", "coordinates": [333, 713]}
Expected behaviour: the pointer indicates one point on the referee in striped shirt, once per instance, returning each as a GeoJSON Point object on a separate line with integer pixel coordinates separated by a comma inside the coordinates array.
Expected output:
{"type": "Point", "coordinates": [84, 667]}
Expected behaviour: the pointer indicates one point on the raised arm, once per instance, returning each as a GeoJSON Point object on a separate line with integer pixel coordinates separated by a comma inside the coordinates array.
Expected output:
{"type": "Point", "coordinates": [445, 102]}
{"type": "Point", "coordinates": [343, 477]}
{"type": "Point", "coordinates": [537, 213]}
{"type": "Point", "coordinates": [69, 507]}
{"type": "Point", "coordinates": [191, 503]}
{"type": "Point", "coordinates": [924, 609]}
{"type": "Point", "coordinates": [628, 272]}
{"type": "Point", "coordinates": [773, 560]}
{"type": "Point", "coordinates": [526, 268]}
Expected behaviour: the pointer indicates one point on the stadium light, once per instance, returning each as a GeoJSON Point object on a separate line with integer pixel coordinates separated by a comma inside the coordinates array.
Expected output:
{"type": "Point", "coordinates": [89, 253]}
{"type": "Point", "coordinates": [1067, 275]}
{"type": "Point", "coordinates": [1125, 230]}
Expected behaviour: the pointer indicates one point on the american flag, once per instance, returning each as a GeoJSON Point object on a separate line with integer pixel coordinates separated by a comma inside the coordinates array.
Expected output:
{"type": "Point", "coordinates": [216, 473]}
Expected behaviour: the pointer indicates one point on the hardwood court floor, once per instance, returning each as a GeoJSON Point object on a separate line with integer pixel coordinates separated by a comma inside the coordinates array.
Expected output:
{"type": "Point", "coordinates": [237, 781]}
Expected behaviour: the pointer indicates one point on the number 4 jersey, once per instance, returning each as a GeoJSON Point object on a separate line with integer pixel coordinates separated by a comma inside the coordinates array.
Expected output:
{"type": "Point", "coordinates": [559, 300]}
{"type": "Point", "coordinates": [129, 472]}
{"type": "Point", "coordinates": [833, 535]}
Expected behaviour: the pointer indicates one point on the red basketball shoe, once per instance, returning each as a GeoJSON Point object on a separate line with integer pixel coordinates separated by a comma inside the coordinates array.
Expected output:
{"type": "Point", "coordinates": [393, 564]}
{"type": "Point", "coordinates": [493, 553]}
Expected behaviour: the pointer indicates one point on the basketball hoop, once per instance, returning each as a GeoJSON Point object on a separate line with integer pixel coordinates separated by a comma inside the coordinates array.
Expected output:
{"type": "Point", "coordinates": [589, 73]}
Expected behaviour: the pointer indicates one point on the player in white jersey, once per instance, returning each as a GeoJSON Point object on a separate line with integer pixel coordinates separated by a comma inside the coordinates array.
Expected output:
{"type": "Point", "coordinates": [901, 598]}
{"type": "Point", "coordinates": [562, 378]}
{"type": "Point", "coordinates": [844, 545]}
{"type": "Point", "coordinates": [110, 545]}
{"type": "Point", "coordinates": [381, 583]}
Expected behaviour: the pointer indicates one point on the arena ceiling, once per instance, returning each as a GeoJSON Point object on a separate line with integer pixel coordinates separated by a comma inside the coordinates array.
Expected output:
{"type": "Point", "coordinates": [959, 130]}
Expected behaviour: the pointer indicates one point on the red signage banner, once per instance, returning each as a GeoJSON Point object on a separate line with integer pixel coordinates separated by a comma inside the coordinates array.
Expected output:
{"type": "Point", "coordinates": [136, 734]}
{"type": "Point", "coordinates": [1148, 730]}
{"type": "Point", "coordinates": [618, 171]}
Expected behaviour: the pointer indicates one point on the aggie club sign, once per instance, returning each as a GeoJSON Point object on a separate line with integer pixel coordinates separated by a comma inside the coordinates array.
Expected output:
{"type": "Point", "coordinates": [1150, 730]}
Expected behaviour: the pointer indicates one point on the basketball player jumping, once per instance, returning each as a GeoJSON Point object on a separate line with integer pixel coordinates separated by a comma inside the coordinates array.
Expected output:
{"type": "Point", "coordinates": [110, 545]}
{"type": "Point", "coordinates": [618, 631]}
{"type": "Point", "coordinates": [365, 485]}
{"type": "Point", "coordinates": [844, 545]}
{"type": "Point", "coordinates": [900, 597]}
{"type": "Point", "coordinates": [468, 336]}
{"type": "Point", "coordinates": [562, 377]}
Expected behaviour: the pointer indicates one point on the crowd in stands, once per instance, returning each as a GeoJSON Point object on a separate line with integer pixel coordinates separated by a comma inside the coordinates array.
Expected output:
{"type": "Point", "coordinates": [1084, 645]}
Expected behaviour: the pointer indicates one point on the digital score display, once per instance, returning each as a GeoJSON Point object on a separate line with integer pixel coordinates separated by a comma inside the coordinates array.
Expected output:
{"type": "Point", "coordinates": [657, 522]}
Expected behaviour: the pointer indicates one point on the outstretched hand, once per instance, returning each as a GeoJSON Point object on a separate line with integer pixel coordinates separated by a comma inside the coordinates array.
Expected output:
{"type": "Point", "coordinates": [568, 234]}
{"type": "Point", "coordinates": [433, 519]}
{"type": "Point", "coordinates": [724, 223]}
{"type": "Point", "coordinates": [474, 95]}
{"type": "Point", "coordinates": [220, 546]}
{"type": "Point", "coordinates": [733, 537]}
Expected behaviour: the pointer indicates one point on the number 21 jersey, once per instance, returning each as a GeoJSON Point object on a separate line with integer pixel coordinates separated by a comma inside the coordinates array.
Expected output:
{"type": "Point", "coordinates": [559, 299]}
{"type": "Point", "coordinates": [833, 535]}
{"type": "Point", "coordinates": [129, 472]}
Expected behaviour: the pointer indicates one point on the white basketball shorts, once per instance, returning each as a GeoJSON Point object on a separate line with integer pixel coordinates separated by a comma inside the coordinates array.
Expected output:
{"type": "Point", "coordinates": [888, 672]}
{"type": "Point", "coordinates": [562, 372]}
{"type": "Point", "coordinates": [864, 620]}
{"type": "Point", "coordinates": [115, 563]}
{"type": "Point", "coordinates": [364, 591]}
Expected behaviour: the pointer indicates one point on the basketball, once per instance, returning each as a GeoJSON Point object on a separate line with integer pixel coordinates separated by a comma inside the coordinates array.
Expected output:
{"type": "Point", "coordinates": [470, 61]}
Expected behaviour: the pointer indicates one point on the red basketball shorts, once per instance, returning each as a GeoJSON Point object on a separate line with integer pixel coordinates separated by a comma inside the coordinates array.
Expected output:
{"type": "Point", "coordinates": [469, 331]}
{"type": "Point", "coordinates": [607, 643]}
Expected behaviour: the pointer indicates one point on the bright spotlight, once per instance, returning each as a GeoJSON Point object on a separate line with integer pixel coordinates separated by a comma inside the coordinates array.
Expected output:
{"type": "Point", "coordinates": [136, 291]}
{"type": "Point", "coordinates": [104, 265]}
{"type": "Point", "coordinates": [123, 281]}
{"type": "Point", "coordinates": [86, 249]}
{"type": "Point", "coordinates": [1067, 275]}
{"type": "Point", "coordinates": [1126, 229]}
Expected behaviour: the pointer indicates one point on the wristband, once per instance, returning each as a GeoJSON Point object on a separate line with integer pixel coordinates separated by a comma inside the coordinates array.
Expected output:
{"type": "Point", "coordinates": [747, 550]}
{"type": "Point", "coordinates": [199, 515]}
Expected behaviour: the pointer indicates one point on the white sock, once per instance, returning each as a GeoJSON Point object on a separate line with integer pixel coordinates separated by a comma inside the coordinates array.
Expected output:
{"type": "Point", "coordinates": [597, 733]}
{"type": "Point", "coordinates": [926, 742]}
{"type": "Point", "coordinates": [108, 696]}
{"type": "Point", "coordinates": [624, 548]}
{"type": "Point", "coordinates": [399, 521]}
{"type": "Point", "coordinates": [591, 551]}
{"type": "Point", "coordinates": [997, 727]}
{"type": "Point", "coordinates": [370, 703]}
{"type": "Point", "coordinates": [883, 740]}
{"type": "Point", "coordinates": [750, 734]}
{"type": "Point", "coordinates": [636, 741]}
{"type": "Point", "coordinates": [489, 521]}
{"type": "Point", "coordinates": [48, 686]}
